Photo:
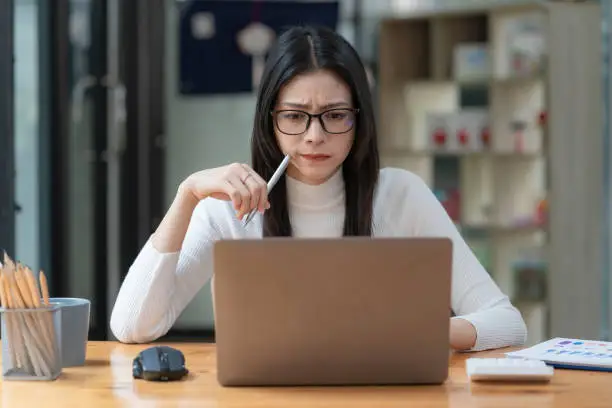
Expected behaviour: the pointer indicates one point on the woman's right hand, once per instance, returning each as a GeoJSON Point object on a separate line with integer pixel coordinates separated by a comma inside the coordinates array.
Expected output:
{"type": "Point", "coordinates": [235, 182]}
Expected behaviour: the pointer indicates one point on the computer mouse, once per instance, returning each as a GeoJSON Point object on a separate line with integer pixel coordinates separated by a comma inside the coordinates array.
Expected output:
{"type": "Point", "coordinates": [159, 363]}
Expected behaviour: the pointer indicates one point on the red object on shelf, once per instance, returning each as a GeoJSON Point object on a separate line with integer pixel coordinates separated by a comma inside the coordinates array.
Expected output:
{"type": "Point", "coordinates": [463, 136]}
{"type": "Point", "coordinates": [439, 137]}
{"type": "Point", "coordinates": [542, 118]}
{"type": "Point", "coordinates": [485, 136]}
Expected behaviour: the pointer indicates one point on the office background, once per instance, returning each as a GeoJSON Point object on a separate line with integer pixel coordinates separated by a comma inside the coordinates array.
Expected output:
{"type": "Point", "coordinates": [103, 113]}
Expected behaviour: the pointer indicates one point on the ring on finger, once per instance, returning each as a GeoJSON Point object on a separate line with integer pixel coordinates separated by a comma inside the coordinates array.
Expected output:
{"type": "Point", "coordinates": [250, 182]}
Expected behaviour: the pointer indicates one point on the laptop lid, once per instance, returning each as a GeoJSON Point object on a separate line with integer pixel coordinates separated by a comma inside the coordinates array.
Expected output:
{"type": "Point", "coordinates": [345, 311]}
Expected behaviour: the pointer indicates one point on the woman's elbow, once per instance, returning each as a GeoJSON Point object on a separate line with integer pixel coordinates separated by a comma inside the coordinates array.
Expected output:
{"type": "Point", "coordinates": [519, 328]}
{"type": "Point", "coordinates": [132, 331]}
{"type": "Point", "coordinates": [128, 334]}
{"type": "Point", "coordinates": [122, 330]}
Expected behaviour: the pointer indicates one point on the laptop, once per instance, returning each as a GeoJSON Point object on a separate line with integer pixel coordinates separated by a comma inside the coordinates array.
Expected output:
{"type": "Point", "coordinates": [332, 311]}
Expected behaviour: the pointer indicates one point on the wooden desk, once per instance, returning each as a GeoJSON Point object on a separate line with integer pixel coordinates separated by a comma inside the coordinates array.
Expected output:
{"type": "Point", "coordinates": [106, 381]}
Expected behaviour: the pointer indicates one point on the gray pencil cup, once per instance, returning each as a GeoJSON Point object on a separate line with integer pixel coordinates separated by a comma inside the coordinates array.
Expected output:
{"type": "Point", "coordinates": [31, 341]}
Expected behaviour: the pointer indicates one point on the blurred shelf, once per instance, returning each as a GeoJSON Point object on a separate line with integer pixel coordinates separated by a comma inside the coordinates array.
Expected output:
{"type": "Point", "coordinates": [463, 105]}
{"type": "Point", "coordinates": [498, 109]}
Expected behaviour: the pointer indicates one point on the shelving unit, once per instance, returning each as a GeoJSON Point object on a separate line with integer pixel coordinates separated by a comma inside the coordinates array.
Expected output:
{"type": "Point", "coordinates": [464, 103]}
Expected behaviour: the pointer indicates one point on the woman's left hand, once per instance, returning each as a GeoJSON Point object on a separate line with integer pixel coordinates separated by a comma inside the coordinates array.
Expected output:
{"type": "Point", "coordinates": [462, 334]}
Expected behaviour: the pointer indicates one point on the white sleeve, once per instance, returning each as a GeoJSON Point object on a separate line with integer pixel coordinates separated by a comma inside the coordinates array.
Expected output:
{"type": "Point", "coordinates": [159, 286]}
{"type": "Point", "coordinates": [475, 296]}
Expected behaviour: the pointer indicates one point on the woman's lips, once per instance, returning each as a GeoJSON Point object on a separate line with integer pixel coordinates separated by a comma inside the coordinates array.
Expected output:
{"type": "Point", "coordinates": [315, 157]}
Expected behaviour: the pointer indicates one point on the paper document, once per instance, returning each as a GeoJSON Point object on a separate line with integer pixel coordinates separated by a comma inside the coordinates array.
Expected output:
{"type": "Point", "coordinates": [570, 353]}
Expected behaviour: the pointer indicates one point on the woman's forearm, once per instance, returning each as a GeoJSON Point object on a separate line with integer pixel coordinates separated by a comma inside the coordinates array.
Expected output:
{"type": "Point", "coordinates": [170, 233]}
{"type": "Point", "coordinates": [462, 334]}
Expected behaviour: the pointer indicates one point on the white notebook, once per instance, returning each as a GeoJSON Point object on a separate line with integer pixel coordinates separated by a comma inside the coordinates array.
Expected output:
{"type": "Point", "coordinates": [570, 353]}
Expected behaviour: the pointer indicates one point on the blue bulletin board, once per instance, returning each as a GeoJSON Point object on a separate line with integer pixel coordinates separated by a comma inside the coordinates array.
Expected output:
{"type": "Point", "coordinates": [210, 60]}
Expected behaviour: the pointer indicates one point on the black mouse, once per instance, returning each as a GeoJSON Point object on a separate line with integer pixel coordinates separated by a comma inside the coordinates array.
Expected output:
{"type": "Point", "coordinates": [159, 363]}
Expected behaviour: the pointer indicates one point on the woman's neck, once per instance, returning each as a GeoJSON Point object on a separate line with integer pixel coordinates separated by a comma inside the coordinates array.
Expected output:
{"type": "Point", "coordinates": [316, 197]}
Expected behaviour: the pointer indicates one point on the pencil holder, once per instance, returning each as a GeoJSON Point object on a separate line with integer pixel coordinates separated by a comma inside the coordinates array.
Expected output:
{"type": "Point", "coordinates": [31, 343]}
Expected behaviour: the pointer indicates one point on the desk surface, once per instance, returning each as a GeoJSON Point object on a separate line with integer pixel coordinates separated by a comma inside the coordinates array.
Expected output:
{"type": "Point", "coordinates": [106, 381]}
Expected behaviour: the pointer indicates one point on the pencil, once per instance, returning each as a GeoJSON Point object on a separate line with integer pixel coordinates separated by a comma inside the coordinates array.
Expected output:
{"type": "Point", "coordinates": [273, 180]}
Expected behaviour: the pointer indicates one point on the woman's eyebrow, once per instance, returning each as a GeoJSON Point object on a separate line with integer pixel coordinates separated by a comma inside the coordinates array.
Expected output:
{"type": "Point", "coordinates": [305, 105]}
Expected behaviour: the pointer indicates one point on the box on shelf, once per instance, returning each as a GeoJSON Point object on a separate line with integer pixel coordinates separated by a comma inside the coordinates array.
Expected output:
{"type": "Point", "coordinates": [518, 40]}
{"type": "Point", "coordinates": [465, 131]}
{"type": "Point", "coordinates": [421, 99]}
{"type": "Point", "coordinates": [471, 62]}
{"type": "Point", "coordinates": [517, 113]}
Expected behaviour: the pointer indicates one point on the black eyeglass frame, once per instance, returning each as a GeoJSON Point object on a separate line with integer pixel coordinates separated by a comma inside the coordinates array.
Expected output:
{"type": "Point", "coordinates": [310, 117]}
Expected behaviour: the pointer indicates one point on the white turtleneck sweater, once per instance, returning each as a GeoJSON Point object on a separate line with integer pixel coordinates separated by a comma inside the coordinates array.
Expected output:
{"type": "Point", "coordinates": [159, 286]}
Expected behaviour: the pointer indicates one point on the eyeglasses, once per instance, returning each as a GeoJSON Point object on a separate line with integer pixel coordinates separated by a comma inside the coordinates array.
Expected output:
{"type": "Point", "coordinates": [296, 122]}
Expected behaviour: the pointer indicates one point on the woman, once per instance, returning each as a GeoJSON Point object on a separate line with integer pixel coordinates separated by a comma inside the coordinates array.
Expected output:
{"type": "Point", "coordinates": [315, 104]}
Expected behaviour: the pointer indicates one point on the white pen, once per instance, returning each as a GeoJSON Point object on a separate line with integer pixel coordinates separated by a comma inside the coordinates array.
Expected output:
{"type": "Point", "coordinates": [273, 180]}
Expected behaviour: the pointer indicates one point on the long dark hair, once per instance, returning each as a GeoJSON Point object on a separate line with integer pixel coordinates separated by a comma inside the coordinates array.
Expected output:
{"type": "Point", "coordinates": [297, 51]}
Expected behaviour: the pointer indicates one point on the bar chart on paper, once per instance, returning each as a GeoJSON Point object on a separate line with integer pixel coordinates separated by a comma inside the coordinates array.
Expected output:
{"type": "Point", "coordinates": [570, 353]}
